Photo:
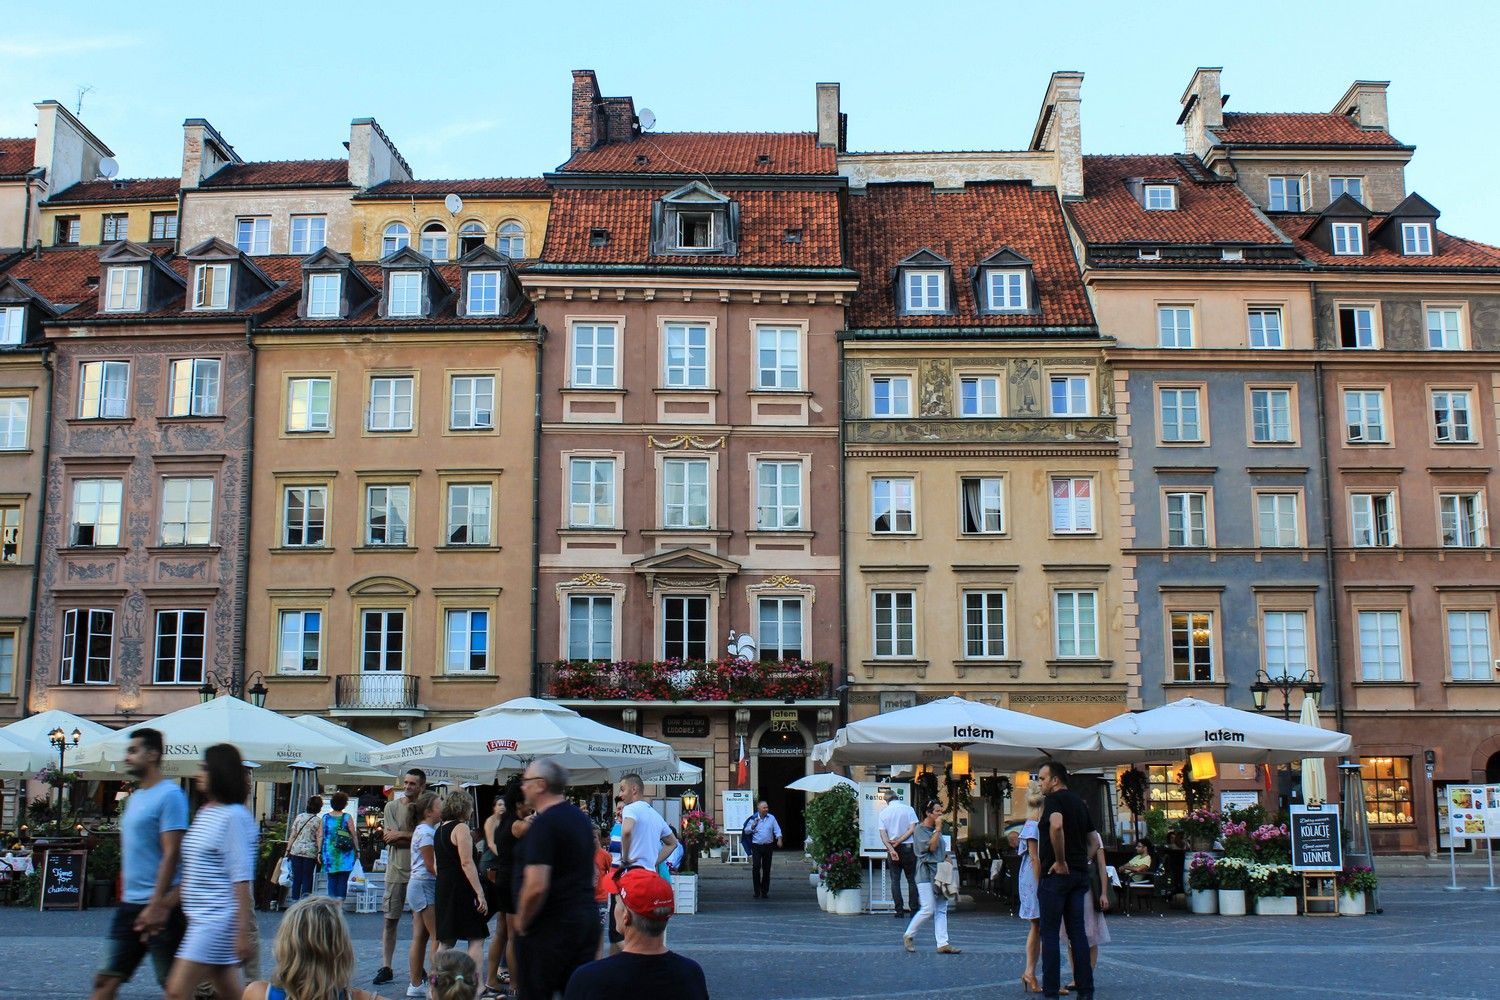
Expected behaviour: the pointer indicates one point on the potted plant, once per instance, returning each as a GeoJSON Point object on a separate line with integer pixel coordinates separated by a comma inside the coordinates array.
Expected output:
{"type": "Point", "coordinates": [1234, 879]}
{"type": "Point", "coordinates": [1354, 883]}
{"type": "Point", "coordinates": [1203, 884]}
{"type": "Point", "coordinates": [1200, 827]}
{"type": "Point", "coordinates": [1272, 844]}
{"type": "Point", "coordinates": [699, 834]}
{"type": "Point", "coordinates": [1157, 825]}
{"type": "Point", "coordinates": [842, 877]}
{"type": "Point", "coordinates": [1275, 889]}
{"type": "Point", "coordinates": [103, 871]}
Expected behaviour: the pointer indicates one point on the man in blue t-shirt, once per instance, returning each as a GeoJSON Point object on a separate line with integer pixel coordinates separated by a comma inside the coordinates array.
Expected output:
{"type": "Point", "coordinates": [644, 967]}
{"type": "Point", "coordinates": [156, 814]}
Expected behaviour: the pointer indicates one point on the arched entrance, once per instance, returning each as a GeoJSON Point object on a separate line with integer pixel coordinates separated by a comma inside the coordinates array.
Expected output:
{"type": "Point", "coordinates": [782, 760]}
{"type": "Point", "coordinates": [1492, 769]}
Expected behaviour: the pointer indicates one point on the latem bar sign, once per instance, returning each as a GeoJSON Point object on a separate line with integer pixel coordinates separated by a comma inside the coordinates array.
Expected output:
{"type": "Point", "coordinates": [1222, 736]}
{"type": "Point", "coordinates": [972, 733]}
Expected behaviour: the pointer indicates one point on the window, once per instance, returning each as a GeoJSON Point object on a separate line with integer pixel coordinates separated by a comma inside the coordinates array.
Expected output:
{"type": "Point", "coordinates": [404, 297]}
{"type": "Point", "coordinates": [1271, 416]}
{"type": "Point", "coordinates": [195, 388]}
{"type": "Point", "coordinates": [1348, 239]}
{"type": "Point", "coordinates": [1075, 619]}
{"type": "Point", "coordinates": [307, 405]}
{"type": "Point", "coordinates": [1187, 520]}
{"type": "Point", "coordinates": [1180, 415]}
{"type": "Point", "coordinates": [1160, 197]}
{"type": "Point", "coordinates": [390, 403]}
{"type": "Point", "coordinates": [484, 293]}
{"type": "Point", "coordinates": [12, 324]}
{"type": "Point", "coordinates": [211, 286]}
{"type": "Point", "coordinates": [895, 623]}
{"type": "Point", "coordinates": [179, 647]}
{"type": "Point", "coordinates": [87, 646]}
{"type": "Point", "coordinates": [122, 289]}
{"type": "Point", "coordinates": [470, 238]}
{"type": "Point", "coordinates": [7, 664]}
{"type": "Point", "coordinates": [163, 225]}
{"type": "Point", "coordinates": [304, 515]}
{"type": "Point", "coordinates": [925, 291]}
{"type": "Point", "coordinates": [1416, 239]}
{"type": "Point", "coordinates": [96, 512]}
{"type": "Point", "coordinates": [891, 396]}
{"type": "Point", "coordinates": [1380, 646]}
{"type": "Point", "coordinates": [1069, 395]}
{"type": "Point", "coordinates": [1276, 514]}
{"type": "Point", "coordinates": [396, 237]}
{"type": "Point", "coordinates": [591, 627]}
{"type": "Point", "coordinates": [685, 493]}
{"type": "Point", "coordinates": [1450, 417]}
{"type": "Point", "coordinates": [1444, 329]}
{"type": "Point", "coordinates": [695, 231]}
{"type": "Point", "coordinates": [1372, 520]}
{"type": "Point", "coordinates": [1174, 326]}
{"type": "Point", "coordinates": [983, 500]}
{"type": "Point", "coordinates": [15, 422]}
{"type": "Point", "coordinates": [1286, 194]}
{"type": "Point", "coordinates": [324, 296]}
{"type": "Point", "coordinates": [435, 242]}
{"type": "Point", "coordinates": [1354, 187]}
{"type": "Point", "coordinates": [103, 390]}
{"type": "Point", "coordinates": [1387, 782]}
{"type": "Point", "coordinates": [1072, 506]}
{"type": "Point", "coordinates": [1286, 643]}
{"type": "Point", "coordinates": [686, 357]}
{"type": "Point", "coordinates": [10, 533]}
{"type": "Point", "coordinates": [510, 239]}
{"type": "Point", "coordinates": [1005, 290]}
{"type": "Point", "coordinates": [1192, 646]}
{"type": "Point", "coordinates": [1461, 516]}
{"type": "Point", "coordinates": [114, 228]}
{"type": "Point", "coordinates": [382, 641]}
{"type": "Point", "coordinates": [779, 354]}
{"type": "Point", "coordinates": [594, 356]}
{"type": "Point", "coordinates": [780, 629]}
{"type": "Point", "coordinates": [1265, 328]}
{"type": "Point", "coordinates": [467, 649]}
{"type": "Point", "coordinates": [469, 506]}
{"type": "Point", "coordinates": [386, 514]}
{"type": "Point", "coordinates": [69, 230]}
{"type": "Point", "coordinates": [472, 406]}
{"type": "Point", "coordinates": [984, 624]}
{"type": "Point", "coordinates": [1357, 327]}
{"type": "Point", "coordinates": [684, 628]}
{"type": "Point", "coordinates": [1364, 416]}
{"type": "Point", "coordinates": [778, 496]}
{"type": "Point", "coordinates": [979, 396]}
{"type": "Point", "coordinates": [591, 493]}
{"type": "Point", "coordinates": [309, 234]}
{"type": "Point", "coordinates": [252, 235]}
{"type": "Point", "coordinates": [1469, 645]}
{"type": "Point", "coordinates": [187, 511]}
{"type": "Point", "coordinates": [300, 646]}
{"type": "Point", "coordinates": [891, 506]}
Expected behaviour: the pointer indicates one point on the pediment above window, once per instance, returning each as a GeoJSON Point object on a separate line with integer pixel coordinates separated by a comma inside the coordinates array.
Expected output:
{"type": "Point", "coordinates": [695, 219]}
{"type": "Point", "coordinates": [332, 287]}
{"type": "Point", "coordinates": [132, 279]}
{"type": "Point", "coordinates": [686, 567]}
{"type": "Point", "coordinates": [924, 284]}
{"type": "Point", "coordinates": [413, 288]}
{"type": "Point", "coordinates": [1005, 282]}
{"type": "Point", "coordinates": [382, 586]}
{"type": "Point", "coordinates": [488, 286]}
{"type": "Point", "coordinates": [222, 278]}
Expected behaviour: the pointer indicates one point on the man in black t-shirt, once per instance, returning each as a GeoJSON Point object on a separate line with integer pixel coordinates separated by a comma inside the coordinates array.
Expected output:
{"type": "Point", "coordinates": [557, 922]}
{"type": "Point", "coordinates": [644, 967]}
{"type": "Point", "coordinates": [1064, 889]}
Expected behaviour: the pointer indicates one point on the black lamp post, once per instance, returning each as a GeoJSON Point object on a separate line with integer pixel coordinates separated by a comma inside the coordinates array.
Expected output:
{"type": "Point", "coordinates": [62, 741]}
{"type": "Point", "coordinates": [1285, 683]}
{"type": "Point", "coordinates": [235, 686]}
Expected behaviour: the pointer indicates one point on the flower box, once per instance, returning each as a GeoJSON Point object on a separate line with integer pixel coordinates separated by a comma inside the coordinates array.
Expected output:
{"type": "Point", "coordinates": [1276, 906]}
{"type": "Point", "coordinates": [845, 902]}
{"type": "Point", "coordinates": [1203, 901]}
{"type": "Point", "coordinates": [1351, 906]}
{"type": "Point", "coordinates": [1232, 902]}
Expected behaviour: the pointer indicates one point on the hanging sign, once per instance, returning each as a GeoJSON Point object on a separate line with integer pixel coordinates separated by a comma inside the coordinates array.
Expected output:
{"type": "Point", "coordinates": [62, 880]}
{"type": "Point", "coordinates": [1316, 843]}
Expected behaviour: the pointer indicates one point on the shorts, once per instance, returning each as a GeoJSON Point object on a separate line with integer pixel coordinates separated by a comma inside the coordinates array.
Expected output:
{"type": "Point", "coordinates": [394, 900]}
{"type": "Point", "coordinates": [421, 893]}
{"type": "Point", "coordinates": [126, 949]}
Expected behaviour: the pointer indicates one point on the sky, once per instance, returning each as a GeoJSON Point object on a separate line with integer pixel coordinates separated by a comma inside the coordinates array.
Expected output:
{"type": "Point", "coordinates": [469, 89]}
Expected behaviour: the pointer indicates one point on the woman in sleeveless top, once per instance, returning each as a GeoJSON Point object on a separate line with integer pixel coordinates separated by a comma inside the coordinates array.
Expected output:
{"type": "Point", "coordinates": [338, 845]}
{"type": "Point", "coordinates": [461, 906]}
{"type": "Point", "coordinates": [1026, 884]}
{"type": "Point", "coordinates": [314, 956]}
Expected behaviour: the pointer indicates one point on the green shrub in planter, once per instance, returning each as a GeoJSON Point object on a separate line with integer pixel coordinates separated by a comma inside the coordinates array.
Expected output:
{"type": "Point", "coordinates": [833, 823]}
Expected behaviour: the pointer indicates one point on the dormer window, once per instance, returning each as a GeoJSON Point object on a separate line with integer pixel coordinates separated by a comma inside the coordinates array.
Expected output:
{"type": "Point", "coordinates": [12, 325]}
{"type": "Point", "coordinates": [483, 293]}
{"type": "Point", "coordinates": [695, 231]}
{"type": "Point", "coordinates": [323, 294]}
{"type": "Point", "coordinates": [1416, 239]}
{"type": "Point", "coordinates": [404, 296]}
{"type": "Point", "coordinates": [1005, 290]}
{"type": "Point", "coordinates": [1160, 197]}
{"type": "Point", "coordinates": [211, 286]}
{"type": "Point", "coordinates": [694, 219]}
{"type": "Point", "coordinates": [925, 292]}
{"type": "Point", "coordinates": [1348, 239]}
{"type": "Point", "coordinates": [122, 289]}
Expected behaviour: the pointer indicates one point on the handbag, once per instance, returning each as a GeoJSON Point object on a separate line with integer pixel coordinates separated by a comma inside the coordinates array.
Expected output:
{"type": "Point", "coordinates": [282, 876]}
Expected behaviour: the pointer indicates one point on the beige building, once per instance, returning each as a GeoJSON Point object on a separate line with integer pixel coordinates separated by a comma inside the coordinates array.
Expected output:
{"type": "Point", "coordinates": [63, 153]}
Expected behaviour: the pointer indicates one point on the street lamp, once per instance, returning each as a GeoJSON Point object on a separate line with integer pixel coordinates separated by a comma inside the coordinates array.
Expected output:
{"type": "Point", "coordinates": [61, 741]}
{"type": "Point", "coordinates": [214, 684]}
{"type": "Point", "coordinates": [1285, 683]}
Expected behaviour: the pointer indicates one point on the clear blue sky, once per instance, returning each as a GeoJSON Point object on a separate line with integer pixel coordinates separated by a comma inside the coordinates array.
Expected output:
{"type": "Point", "coordinates": [481, 89]}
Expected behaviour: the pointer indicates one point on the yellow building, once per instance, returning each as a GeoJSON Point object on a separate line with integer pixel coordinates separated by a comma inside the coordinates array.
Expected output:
{"type": "Point", "coordinates": [506, 213]}
{"type": "Point", "coordinates": [101, 212]}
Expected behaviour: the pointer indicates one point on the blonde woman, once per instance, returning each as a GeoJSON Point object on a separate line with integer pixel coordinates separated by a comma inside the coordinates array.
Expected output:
{"type": "Point", "coordinates": [314, 956]}
{"type": "Point", "coordinates": [1029, 878]}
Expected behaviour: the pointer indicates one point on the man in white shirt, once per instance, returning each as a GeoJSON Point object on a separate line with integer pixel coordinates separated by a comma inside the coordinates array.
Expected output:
{"type": "Point", "coordinates": [898, 821]}
{"type": "Point", "coordinates": [646, 841]}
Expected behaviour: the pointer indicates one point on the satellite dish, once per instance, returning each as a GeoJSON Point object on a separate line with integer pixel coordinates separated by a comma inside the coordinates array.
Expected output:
{"type": "Point", "coordinates": [454, 204]}
{"type": "Point", "coordinates": [108, 167]}
{"type": "Point", "coordinates": [647, 118]}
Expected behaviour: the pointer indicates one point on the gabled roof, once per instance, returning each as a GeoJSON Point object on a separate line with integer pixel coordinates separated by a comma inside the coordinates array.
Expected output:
{"type": "Point", "coordinates": [215, 249]}
{"type": "Point", "coordinates": [445, 310]}
{"type": "Point", "coordinates": [484, 255]}
{"type": "Point", "coordinates": [119, 190]}
{"type": "Point", "coordinates": [679, 153]}
{"type": "Point", "coordinates": [16, 156]}
{"type": "Point", "coordinates": [280, 174]}
{"type": "Point", "coordinates": [65, 276]}
{"type": "Point", "coordinates": [1005, 257]}
{"type": "Point", "coordinates": [483, 187]}
{"type": "Point", "coordinates": [13, 289]}
{"type": "Point", "coordinates": [326, 257]}
{"type": "Point", "coordinates": [697, 192]}
{"type": "Point", "coordinates": [1345, 206]}
{"type": "Point", "coordinates": [1274, 129]}
{"type": "Point", "coordinates": [408, 257]}
{"type": "Point", "coordinates": [1209, 212]}
{"type": "Point", "coordinates": [925, 258]}
{"type": "Point", "coordinates": [1450, 252]}
{"type": "Point", "coordinates": [276, 270]}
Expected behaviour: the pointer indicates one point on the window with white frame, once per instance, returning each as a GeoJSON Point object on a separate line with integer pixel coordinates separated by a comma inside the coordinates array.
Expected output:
{"type": "Point", "coordinates": [1265, 327]}
{"type": "Point", "coordinates": [163, 225]}
{"type": "Point", "coordinates": [1348, 239]}
{"type": "Point", "coordinates": [1075, 621]}
{"type": "Point", "coordinates": [1174, 326]}
{"type": "Point", "coordinates": [1357, 327]}
{"type": "Point", "coordinates": [69, 230]}
{"type": "Point", "coordinates": [115, 227]}
{"type": "Point", "coordinates": [778, 496]}
{"type": "Point", "coordinates": [324, 296]}
{"type": "Point", "coordinates": [1005, 290]}
{"type": "Point", "coordinates": [180, 647]}
{"type": "Point", "coordinates": [591, 493]}
{"type": "Point", "coordinates": [779, 357]}
{"type": "Point", "coordinates": [382, 644]}
{"type": "Point", "coordinates": [892, 506]}
{"type": "Point", "coordinates": [1364, 416]}
{"type": "Point", "coordinates": [1469, 645]}
{"type": "Point", "coordinates": [1187, 519]}
{"type": "Point", "coordinates": [103, 390]}
{"type": "Point", "coordinates": [8, 663]}
{"type": "Point", "coordinates": [1461, 516]}
{"type": "Point", "coordinates": [211, 286]}
{"type": "Point", "coordinates": [685, 355]}
{"type": "Point", "coordinates": [472, 403]}
{"type": "Point", "coordinates": [894, 621]}
{"type": "Point", "coordinates": [395, 237]}
{"type": "Point", "coordinates": [390, 403]}
{"type": "Point", "coordinates": [1160, 197]}
{"type": "Point", "coordinates": [1277, 521]}
{"type": "Point", "coordinates": [926, 291]}
{"type": "Point", "coordinates": [780, 635]}
{"type": "Point", "coordinates": [299, 647]}
{"type": "Point", "coordinates": [591, 627]}
{"type": "Point", "coordinates": [985, 625]}
{"type": "Point", "coordinates": [1284, 636]}
{"type": "Point", "coordinates": [594, 346]}
{"type": "Point", "coordinates": [404, 296]}
{"type": "Point", "coordinates": [1181, 415]}
{"type": "Point", "coordinates": [1192, 646]}
{"type": "Point", "coordinates": [435, 242]}
{"type": "Point", "coordinates": [12, 325]}
{"type": "Point", "coordinates": [983, 505]}
{"type": "Point", "coordinates": [88, 641]}
{"type": "Point", "coordinates": [187, 510]}
{"type": "Point", "coordinates": [1285, 194]}
{"type": "Point", "coordinates": [483, 294]}
{"type": "Point", "coordinates": [684, 627]}
{"type": "Point", "coordinates": [1451, 421]}
{"type": "Point", "coordinates": [10, 532]}
{"type": "Point", "coordinates": [304, 516]}
{"type": "Point", "coordinates": [1372, 520]}
{"type": "Point", "coordinates": [387, 514]}
{"type": "Point", "coordinates": [695, 230]}
{"type": "Point", "coordinates": [467, 648]}
{"type": "Point", "coordinates": [1068, 395]}
{"type": "Point", "coordinates": [890, 396]}
{"type": "Point", "coordinates": [469, 506]}
{"type": "Point", "coordinates": [309, 234]}
{"type": "Point", "coordinates": [685, 493]}
{"type": "Point", "coordinates": [252, 235]}
{"type": "Point", "coordinates": [96, 512]}
{"type": "Point", "coordinates": [307, 404]}
{"type": "Point", "coordinates": [194, 388]}
{"type": "Point", "coordinates": [1072, 505]}
{"type": "Point", "coordinates": [979, 396]}
{"type": "Point", "coordinates": [510, 239]}
{"type": "Point", "coordinates": [1444, 328]}
{"type": "Point", "coordinates": [1380, 646]}
{"type": "Point", "coordinates": [1416, 239]}
{"type": "Point", "coordinates": [122, 289]}
{"type": "Point", "coordinates": [1271, 416]}
{"type": "Point", "coordinates": [15, 422]}
{"type": "Point", "coordinates": [1354, 187]}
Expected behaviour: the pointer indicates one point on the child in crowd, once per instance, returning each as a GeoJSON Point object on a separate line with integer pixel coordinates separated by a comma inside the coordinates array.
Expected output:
{"type": "Point", "coordinates": [454, 976]}
{"type": "Point", "coordinates": [314, 956]}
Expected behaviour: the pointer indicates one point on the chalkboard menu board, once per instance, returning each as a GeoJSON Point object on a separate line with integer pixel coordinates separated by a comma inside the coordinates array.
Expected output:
{"type": "Point", "coordinates": [62, 880]}
{"type": "Point", "coordinates": [1316, 843]}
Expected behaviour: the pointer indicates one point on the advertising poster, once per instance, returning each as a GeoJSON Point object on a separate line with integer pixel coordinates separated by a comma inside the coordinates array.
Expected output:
{"type": "Point", "coordinates": [873, 796]}
{"type": "Point", "coordinates": [1316, 843]}
{"type": "Point", "coordinates": [738, 805]}
{"type": "Point", "coordinates": [1492, 810]}
{"type": "Point", "coordinates": [1467, 805]}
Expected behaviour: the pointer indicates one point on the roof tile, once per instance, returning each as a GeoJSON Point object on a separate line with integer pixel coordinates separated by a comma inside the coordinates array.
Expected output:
{"type": "Point", "coordinates": [1209, 211]}
{"type": "Point", "coordinates": [709, 153]}
{"type": "Point", "coordinates": [1297, 129]}
{"type": "Point", "coordinates": [1451, 251]}
{"type": "Point", "coordinates": [281, 173]}
{"type": "Point", "coordinates": [117, 190]}
{"type": "Point", "coordinates": [475, 187]}
{"type": "Point", "coordinates": [16, 157]}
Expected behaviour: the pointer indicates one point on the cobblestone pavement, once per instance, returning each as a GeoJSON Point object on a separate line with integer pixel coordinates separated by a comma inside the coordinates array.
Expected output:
{"type": "Point", "coordinates": [1427, 944]}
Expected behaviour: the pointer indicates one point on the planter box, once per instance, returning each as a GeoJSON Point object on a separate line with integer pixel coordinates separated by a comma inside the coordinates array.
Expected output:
{"type": "Point", "coordinates": [813, 879]}
{"type": "Point", "coordinates": [685, 891]}
{"type": "Point", "coordinates": [822, 896]}
{"type": "Point", "coordinates": [1203, 900]}
{"type": "Point", "coordinates": [1276, 906]}
{"type": "Point", "coordinates": [1351, 906]}
{"type": "Point", "coordinates": [846, 902]}
{"type": "Point", "coordinates": [1232, 902]}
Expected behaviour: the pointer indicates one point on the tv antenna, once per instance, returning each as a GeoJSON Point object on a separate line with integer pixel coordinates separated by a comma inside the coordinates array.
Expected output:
{"type": "Point", "coordinates": [78, 105]}
{"type": "Point", "coordinates": [647, 118]}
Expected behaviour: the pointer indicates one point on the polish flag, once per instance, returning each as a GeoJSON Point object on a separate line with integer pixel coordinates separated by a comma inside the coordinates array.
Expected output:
{"type": "Point", "coordinates": [742, 773]}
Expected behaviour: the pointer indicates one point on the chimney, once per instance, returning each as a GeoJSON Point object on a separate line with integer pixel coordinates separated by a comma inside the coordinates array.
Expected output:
{"type": "Point", "coordinates": [1059, 130]}
{"type": "Point", "coordinates": [1364, 102]}
{"type": "Point", "coordinates": [373, 157]}
{"type": "Point", "coordinates": [618, 115]}
{"type": "Point", "coordinates": [204, 151]}
{"type": "Point", "coordinates": [65, 148]}
{"type": "Point", "coordinates": [1202, 109]}
{"type": "Point", "coordinates": [588, 117]}
{"type": "Point", "coordinates": [830, 120]}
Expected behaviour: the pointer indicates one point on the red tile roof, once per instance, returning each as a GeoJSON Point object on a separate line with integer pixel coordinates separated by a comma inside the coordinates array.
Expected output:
{"type": "Point", "coordinates": [1289, 129]}
{"type": "Point", "coordinates": [60, 276]}
{"type": "Point", "coordinates": [16, 156]}
{"type": "Point", "coordinates": [282, 173]}
{"type": "Point", "coordinates": [1451, 251]}
{"type": "Point", "coordinates": [890, 222]}
{"type": "Point", "coordinates": [709, 153]}
{"type": "Point", "coordinates": [1209, 211]}
{"type": "Point", "coordinates": [625, 214]}
{"type": "Point", "coordinates": [118, 190]}
{"type": "Point", "coordinates": [285, 317]}
{"type": "Point", "coordinates": [477, 188]}
{"type": "Point", "coordinates": [280, 270]}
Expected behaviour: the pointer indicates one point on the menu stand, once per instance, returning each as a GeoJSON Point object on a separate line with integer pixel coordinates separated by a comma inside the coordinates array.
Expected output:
{"type": "Point", "coordinates": [1320, 887]}
{"type": "Point", "coordinates": [1492, 887]}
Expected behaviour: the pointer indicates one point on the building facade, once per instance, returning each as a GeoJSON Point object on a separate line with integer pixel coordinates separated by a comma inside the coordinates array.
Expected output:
{"type": "Point", "coordinates": [506, 213]}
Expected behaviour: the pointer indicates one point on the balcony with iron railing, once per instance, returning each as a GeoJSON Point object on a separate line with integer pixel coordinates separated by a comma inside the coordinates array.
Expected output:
{"type": "Point", "coordinates": [385, 693]}
{"type": "Point", "coordinates": [701, 681]}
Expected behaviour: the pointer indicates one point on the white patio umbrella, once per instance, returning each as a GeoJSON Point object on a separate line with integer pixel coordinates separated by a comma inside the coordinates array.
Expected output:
{"type": "Point", "coordinates": [33, 729]}
{"type": "Point", "coordinates": [1189, 725]}
{"type": "Point", "coordinates": [1314, 778]}
{"type": "Point", "coordinates": [825, 782]}
{"type": "Point", "coordinates": [359, 746]}
{"type": "Point", "coordinates": [19, 759]}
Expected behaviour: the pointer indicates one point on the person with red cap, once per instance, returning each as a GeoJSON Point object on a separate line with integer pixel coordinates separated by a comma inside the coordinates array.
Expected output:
{"type": "Point", "coordinates": [643, 966]}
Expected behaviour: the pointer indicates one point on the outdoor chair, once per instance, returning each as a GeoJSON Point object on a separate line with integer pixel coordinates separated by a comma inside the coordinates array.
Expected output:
{"type": "Point", "coordinates": [1145, 890]}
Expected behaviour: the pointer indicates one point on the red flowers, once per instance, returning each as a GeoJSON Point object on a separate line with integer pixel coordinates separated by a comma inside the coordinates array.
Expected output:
{"type": "Point", "coordinates": [689, 680]}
